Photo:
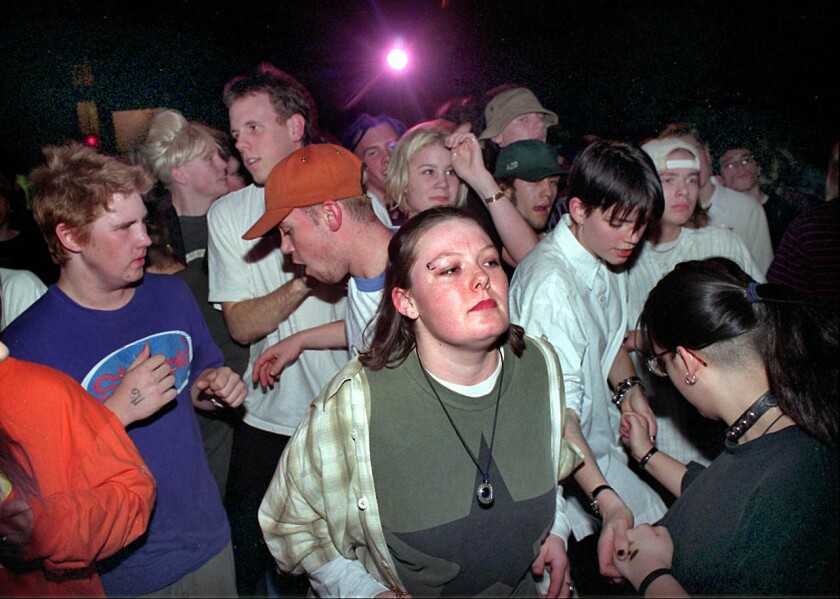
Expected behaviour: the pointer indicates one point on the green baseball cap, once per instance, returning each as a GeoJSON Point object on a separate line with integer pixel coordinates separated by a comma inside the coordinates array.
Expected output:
{"type": "Point", "coordinates": [528, 159]}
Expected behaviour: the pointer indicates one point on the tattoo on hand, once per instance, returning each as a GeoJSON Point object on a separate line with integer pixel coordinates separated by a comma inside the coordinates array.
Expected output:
{"type": "Point", "coordinates": [136, 397]}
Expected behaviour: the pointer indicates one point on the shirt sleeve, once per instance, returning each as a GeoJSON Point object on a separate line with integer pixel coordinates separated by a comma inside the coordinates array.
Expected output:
{"type": "Point", "coordinates": [562, 526]}
{"type": "Point", "coordinates": [101, 491]}
{"type": "Point", "coordinates": [21, 289]}
{"type": "Point", "coordinates": [344, 577]}
{"type": "Point", "coordinates": [206, 353]}
{"type": "Point", "coordinates": [537, 313]}
{"type": "Point", "coordinates": [759, 242]}
{"type": "Point", "coordinates": [226, 251]}
{"type": "Point", "coordinates": [292, 514]}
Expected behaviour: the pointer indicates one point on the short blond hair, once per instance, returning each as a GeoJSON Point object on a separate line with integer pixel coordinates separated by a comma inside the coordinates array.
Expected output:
{"type": "Point", "coordinates": [75, 186]}
{"type": "Point", "coordinates": [173, 141]}
{"type": "Point", "coordinates": [414, 140]}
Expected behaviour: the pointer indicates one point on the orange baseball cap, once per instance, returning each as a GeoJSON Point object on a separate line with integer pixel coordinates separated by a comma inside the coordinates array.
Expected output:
{"type": "Point", "coordinates": [309, 176]}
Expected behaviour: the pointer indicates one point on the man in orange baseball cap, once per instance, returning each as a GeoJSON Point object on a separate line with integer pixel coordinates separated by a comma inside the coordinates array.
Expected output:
{"type": "Point", "coordinates": [316, 198]}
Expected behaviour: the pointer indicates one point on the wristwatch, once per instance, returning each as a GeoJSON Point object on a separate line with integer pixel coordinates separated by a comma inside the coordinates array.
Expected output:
{"type": "Point", "coordinates": [593, 497]}
{"type": "Point", "coordinates": [623, 388]}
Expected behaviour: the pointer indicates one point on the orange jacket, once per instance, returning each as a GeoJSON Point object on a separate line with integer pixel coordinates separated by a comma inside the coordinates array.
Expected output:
{"type": "Point", "coordinates": [95, 491]}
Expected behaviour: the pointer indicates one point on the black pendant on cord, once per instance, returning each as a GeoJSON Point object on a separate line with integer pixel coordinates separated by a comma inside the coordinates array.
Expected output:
{"type": "Point", "coordinates": [484, 491]}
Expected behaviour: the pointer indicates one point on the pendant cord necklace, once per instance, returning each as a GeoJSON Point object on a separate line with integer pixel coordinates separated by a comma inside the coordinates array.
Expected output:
{"type": "Point", "coordinates": [772, 424]}
{"type": "Point", "coordinates": [484, 491]}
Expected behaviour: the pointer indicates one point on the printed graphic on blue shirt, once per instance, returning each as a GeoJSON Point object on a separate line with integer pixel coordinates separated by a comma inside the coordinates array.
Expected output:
{"type": "Point", "coordinates": [103, 379]}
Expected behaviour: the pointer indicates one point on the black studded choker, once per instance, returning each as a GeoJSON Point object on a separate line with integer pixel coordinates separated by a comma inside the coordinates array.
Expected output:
{"type": "Point", "coordinates": [748, 418]}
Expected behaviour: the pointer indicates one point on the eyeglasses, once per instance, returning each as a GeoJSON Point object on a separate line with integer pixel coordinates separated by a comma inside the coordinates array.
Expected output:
{"type": "Point", "coordinates": [656, 365]}
{"type": "Point", "coordinates": [742, 162]}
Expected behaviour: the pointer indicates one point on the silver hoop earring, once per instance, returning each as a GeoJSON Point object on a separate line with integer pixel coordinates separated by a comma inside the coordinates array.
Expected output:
{"type": "Point", "coordinates": [690, 379]}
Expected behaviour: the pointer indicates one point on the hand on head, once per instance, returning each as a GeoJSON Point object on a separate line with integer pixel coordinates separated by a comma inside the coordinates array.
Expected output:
{"type": "Point", "coordinates": [467, 159]}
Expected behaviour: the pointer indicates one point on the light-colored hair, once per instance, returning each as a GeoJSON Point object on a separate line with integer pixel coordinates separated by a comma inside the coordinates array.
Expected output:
{"type": "Point", "coordinates": [173, 141]}
{"type": "Point", "coordinates": [358, 208]}
{"type": "Point", "coordinates": [75, 186]}
{"type": "Point", "coordinates": [414, 140]}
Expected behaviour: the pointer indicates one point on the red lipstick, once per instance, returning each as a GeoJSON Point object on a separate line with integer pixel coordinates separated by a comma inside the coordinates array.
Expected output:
{"type": "Point", "coordinates": [487, 304]}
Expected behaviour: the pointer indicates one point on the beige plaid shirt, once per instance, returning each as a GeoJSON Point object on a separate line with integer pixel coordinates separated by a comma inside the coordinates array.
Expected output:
{"type": "Point", "coordinates": [321, 503]}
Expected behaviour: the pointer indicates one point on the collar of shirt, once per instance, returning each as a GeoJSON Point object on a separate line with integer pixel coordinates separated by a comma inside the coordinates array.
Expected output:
{"type": "Point", "coordinates": [588, 265]}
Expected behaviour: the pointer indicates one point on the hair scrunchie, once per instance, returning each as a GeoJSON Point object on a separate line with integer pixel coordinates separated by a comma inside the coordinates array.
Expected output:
{"type": "Point", "coordinates": [752, 293]}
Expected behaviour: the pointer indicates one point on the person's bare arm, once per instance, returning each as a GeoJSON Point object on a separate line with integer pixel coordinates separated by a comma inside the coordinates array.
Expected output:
{"type": "Point", "coordinates": [252, 319]}
{"type": "Point", "coordinates": [270, 364]}
{"type": "Point", "coordinates": [617, 517]}
{"type": "Point", "coordinates": [516, 234]}
{"type": "Point", "coordinates": [636, 436]}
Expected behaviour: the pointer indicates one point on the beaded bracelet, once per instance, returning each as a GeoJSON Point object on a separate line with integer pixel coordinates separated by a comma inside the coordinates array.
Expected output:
{"type": "Point", "coordinates": [651, 577]}
{"type": "Point", "coordinates": [623, 388]}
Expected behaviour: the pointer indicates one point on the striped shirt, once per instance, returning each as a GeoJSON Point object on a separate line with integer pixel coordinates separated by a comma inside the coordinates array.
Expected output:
{"type": "Point", "coordinates": [655, 261]}
{"type": "Point", "coordinates": [809, 254]}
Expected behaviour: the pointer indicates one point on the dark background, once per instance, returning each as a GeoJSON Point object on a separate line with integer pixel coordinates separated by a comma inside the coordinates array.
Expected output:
{"type": "Point", "coordinates": [619, 69]}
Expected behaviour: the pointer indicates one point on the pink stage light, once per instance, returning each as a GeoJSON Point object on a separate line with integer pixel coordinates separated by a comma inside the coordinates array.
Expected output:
{"type": "Point", "coordinates": [397, 59]}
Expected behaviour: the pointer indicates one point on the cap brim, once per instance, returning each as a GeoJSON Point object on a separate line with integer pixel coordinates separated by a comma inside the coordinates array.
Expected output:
{"type": "Point", "coordinates": [266, 223]}
{"type": "Point", "coordinates": [537, 174]}
{"type": "Point", "coordinates": [487, 134]}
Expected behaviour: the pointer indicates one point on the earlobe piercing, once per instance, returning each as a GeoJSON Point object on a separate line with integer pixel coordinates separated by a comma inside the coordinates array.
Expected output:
{"type": "Point", "coordinates": [690, 378]}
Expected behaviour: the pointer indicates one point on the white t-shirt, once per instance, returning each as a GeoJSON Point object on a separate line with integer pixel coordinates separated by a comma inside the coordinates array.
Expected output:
{"type": "Point", "coordinates": [363, 297]}
{"type": "Point", "coordinates": [380, 210]}
{"type": "Point", "coordinates": [242, 270]}
{"type": "Point", "coordinates": [563, 292]}
{"type": "Point", "coordinates": [740, 213]}
{"type": "Point", "coordinates": [21, 289]}
{"type": "Point", "coordinates": [674, 415]}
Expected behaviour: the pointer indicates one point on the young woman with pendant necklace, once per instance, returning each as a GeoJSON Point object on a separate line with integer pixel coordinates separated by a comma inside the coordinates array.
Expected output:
{"type": "Point", "coordinates": [761, 518]}
{"type": "Point", "coordinates": [430, 464]}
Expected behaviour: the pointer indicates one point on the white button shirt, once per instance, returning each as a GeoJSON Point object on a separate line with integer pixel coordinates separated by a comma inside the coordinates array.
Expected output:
{"type": "Point", "coordinates": [562, 291]}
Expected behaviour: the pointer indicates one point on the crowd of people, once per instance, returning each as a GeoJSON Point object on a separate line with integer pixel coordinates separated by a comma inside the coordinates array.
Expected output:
{"type": "Point", "coordinates": [436, 358]}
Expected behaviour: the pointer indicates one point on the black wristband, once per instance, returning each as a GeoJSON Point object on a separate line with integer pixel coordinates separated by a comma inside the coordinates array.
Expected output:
{"type": "Point", "coordinates": [644, 461]}
{"type": "Point", "coordinates": [651, 577]}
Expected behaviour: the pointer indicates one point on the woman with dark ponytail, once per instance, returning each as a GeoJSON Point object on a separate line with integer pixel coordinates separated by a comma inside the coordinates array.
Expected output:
{"type": "Point", "coordinates": [760, 519]}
